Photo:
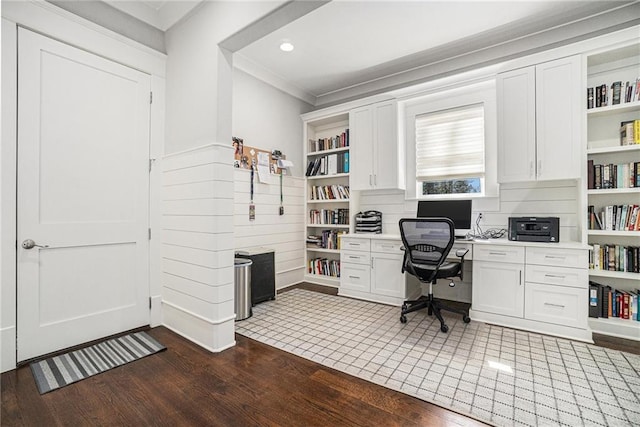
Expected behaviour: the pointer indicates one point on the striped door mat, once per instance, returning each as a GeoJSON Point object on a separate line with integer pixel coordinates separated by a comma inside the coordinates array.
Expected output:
{"type": "Point", "coordinates": [68, 368]}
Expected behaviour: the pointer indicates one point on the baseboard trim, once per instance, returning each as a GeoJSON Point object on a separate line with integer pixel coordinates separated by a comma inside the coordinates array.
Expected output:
{"type": "Point", "coordinates": [8, 337]}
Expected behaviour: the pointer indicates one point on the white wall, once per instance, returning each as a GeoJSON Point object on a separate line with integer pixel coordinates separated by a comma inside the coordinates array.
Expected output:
{"type": "Point", "coordinates": [199, 73]}
{"type": "Point", "coordinates": [269, 119]}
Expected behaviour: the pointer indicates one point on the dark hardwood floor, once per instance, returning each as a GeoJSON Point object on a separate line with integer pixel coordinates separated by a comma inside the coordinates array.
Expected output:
{"type": "Point", "coordinates": [249, 384]}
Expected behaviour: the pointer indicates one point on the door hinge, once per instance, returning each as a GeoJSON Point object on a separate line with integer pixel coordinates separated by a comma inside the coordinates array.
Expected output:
{"type": "Point", "coordinates": [149, 303]}
{"type": "Point", "coordinates": [151, 161]}
{"type": "Point", "coordinates": [149, 234]}
{"type": "Point", "coordinates": [150, 97]}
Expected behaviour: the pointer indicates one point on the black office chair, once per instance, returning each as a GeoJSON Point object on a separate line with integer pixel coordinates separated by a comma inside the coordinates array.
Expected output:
{"type": "Point", "coordinates": [427, 242]}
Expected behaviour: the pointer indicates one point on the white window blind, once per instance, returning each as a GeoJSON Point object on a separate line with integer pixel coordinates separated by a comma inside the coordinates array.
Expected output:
{"type": "Point", "coordinates": [450, 143]}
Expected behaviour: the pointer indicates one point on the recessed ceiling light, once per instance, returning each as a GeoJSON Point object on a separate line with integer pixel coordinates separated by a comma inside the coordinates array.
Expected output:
{"type": "Point", "coordinates": [286, 46]}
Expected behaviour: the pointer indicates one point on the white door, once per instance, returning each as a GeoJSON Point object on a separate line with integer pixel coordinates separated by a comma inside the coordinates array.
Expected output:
{"type": "Point", "coordinates": [83, 190]}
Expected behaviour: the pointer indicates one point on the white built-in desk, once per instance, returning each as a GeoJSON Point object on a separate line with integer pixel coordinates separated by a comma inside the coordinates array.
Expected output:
{"type": "Point", "coordinates": [539, 287]}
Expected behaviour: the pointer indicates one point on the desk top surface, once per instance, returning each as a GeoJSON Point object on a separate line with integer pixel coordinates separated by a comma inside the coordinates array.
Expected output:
{"type": "Point", "coordinates": [461, 242]}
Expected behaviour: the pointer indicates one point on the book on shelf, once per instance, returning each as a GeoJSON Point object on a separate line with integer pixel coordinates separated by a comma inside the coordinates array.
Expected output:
{"type": "Point", "coordinates": [614, 218]}
{"type": "Point", "coordinates": [590, 98]}
{"type": "Point", "coordinates": [614, 94]}
{"type": "Point", "coordinates": [330, 192]}
{"type": "Point", "coordinates": [630, 132]}
{"type": "Point", "coordinates": [330, 143]}
{"type": "Point", "coordinates": [612, 257]}
{"type": "Point", "coordinates": [616, 87]}
{"type": "Point", "coordinates": [608, 302]}
{"type": "Point", "coordinates": [329, 216]}
{"type": "Point", "coordinates": [330, 164]}
{"type": "Point", "coordinates": [324, 267]}
{"type": "Point", "coordinates": [608, 176]}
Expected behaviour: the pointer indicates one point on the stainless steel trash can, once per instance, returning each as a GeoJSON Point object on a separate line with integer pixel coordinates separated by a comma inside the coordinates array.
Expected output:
{"type": "Point", "coordinates": [242, 282]}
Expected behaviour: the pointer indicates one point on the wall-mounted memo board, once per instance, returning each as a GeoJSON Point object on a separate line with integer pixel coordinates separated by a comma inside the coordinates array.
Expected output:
{"type": "Point", "coordinates": [244, 156]}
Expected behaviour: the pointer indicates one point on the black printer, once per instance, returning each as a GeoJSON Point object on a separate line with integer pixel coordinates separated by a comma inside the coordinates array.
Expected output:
{"type": "Point", "coordinates": [534, 229]}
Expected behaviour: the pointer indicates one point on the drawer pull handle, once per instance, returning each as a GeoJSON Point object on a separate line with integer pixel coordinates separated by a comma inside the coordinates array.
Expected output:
{"type": "Point", "coordinates": [354, 257]}
{"type": "Point", "coordinates": [554, 305]}
{"type": "Point", "coordinates": [554, 257]}
{"type": "Point", "coordinates": [498, 253]}
{"type": "Point", "coordinates": [556, 276]}
{"type": "Point", "coordinates": [354, 277]}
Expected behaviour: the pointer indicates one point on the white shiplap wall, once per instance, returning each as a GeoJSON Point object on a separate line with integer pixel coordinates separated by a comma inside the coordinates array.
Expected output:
{"type": "Point", "coordinates": [197, 245]}
{"type": "Point", "coordinates": [282, 233]}
{"type": "Point", "coordinates": [548, 198]}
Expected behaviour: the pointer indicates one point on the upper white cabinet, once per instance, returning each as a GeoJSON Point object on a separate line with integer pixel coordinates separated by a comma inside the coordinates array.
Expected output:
{"type": "Point", "coordinates": [539, 122]}
{"type": "Point", "coordinates": [377, 156]}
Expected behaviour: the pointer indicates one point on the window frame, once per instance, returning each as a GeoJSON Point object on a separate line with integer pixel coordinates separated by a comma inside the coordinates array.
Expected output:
{"type": "Point", "coordinates": [450, 98]}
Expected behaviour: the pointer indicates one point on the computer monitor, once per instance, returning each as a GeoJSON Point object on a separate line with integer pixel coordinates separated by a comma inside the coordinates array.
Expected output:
{"type": "Point", "coordinates": [459, 211]}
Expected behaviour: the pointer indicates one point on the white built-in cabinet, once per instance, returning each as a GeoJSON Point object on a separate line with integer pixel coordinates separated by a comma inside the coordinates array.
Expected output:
{"type": "Point", "coordinates": [539, 122]}
{"type": "Point", "coordinates": [371, 269]}
{"type": "Point", "coordinates": [534, 286]}
{"type": "Point", "coordinates": [377, 153]}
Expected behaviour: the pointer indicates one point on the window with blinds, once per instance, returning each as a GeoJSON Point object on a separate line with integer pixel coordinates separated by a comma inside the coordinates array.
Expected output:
{"type": "Point", "coordinates": [450, 150]}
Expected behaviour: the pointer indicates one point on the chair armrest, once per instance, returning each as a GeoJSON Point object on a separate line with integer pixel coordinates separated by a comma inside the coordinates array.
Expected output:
{"type": "Point", "coordinates": [460, 253]}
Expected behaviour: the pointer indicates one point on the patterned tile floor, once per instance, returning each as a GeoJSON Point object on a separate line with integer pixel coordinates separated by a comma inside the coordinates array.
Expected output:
{"type": "Point", "coordinates": [498, 375]}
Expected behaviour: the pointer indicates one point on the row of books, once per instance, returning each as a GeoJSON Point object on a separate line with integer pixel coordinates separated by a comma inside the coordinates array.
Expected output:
{"type": "Point", "coordinates": [615, 217]}
{"type": "Point", "coordinates": [330, 164]}
{"type": "Point", "coordinates": [624, 175]}
{"type": "Point", "coordinates": [329, 239]}
{"type": "Point", "coordinates": [614, 94]}
{"type": "Point", "coordinates": [615, 258]}
{"type": "Point", "coordinates": [630, 132]}
{"type": "Point", "coordinates": [324, 267]}
{"type": "Point", "coordinates": [330, 192]}
{"type": "Point", "coordinates": [606, 302]}
{"type": "Point", "coordinates": [329, 216]}
{"type": "Point", "coordinates": [321, 144]}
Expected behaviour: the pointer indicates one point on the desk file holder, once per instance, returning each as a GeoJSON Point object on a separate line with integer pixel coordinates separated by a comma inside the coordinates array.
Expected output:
{"type": "Point", "coordinates": [368, 222]}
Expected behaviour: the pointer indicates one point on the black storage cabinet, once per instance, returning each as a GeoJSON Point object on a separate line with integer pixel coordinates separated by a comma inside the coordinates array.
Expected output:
{"type": "Point", "coordinates": [263, 273]}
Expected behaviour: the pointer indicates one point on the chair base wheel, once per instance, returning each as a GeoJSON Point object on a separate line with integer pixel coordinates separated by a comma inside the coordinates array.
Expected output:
{"type": "Point", "coordinates": [403, 319]}
{"type": "Point", "coordinates": [466, 319]}
{"type": "Point", "coordinates": [444, 328]}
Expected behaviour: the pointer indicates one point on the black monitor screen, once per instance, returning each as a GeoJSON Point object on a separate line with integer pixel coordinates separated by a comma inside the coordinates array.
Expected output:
{"type": "Point", "coordinates": [459, 211]}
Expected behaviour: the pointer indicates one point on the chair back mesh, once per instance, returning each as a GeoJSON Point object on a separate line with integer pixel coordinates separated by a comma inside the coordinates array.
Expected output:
{"type": "Point", "coordinates": [427, 241]}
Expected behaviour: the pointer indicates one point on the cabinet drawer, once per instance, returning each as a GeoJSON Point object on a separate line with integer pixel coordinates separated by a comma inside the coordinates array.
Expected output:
{"type": "Point", "coordinates": [355, 277]}
{"type": "Point", "coordinates": [556, 256]}
{"type": "Point", "coordinates": [355, 244]}
{"type": "Point", "coordinates": [574, 277]}
{"type": "Point", "coordinates": [560, 305]}
{"type": "Point", "coordinates": [386, 246]}
{"type": "Point", "coordinates": [498, 253]}
{"type": "Point", "coordinates": [355, 257]}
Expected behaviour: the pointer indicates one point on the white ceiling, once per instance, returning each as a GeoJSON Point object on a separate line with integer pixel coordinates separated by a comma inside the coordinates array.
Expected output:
{"type": "Point", "coordinates": [346, 43]}
{"type": "Point", "coordinates": [344, 48]}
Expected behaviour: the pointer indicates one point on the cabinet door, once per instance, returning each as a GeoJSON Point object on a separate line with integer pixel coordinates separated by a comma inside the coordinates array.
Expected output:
{"type": "Point", "coordinates": [498, 288]}
{"type": "Point", "coordinates": [361, 149]}
{"type": "Point", "coordinates": [387, 150]}
{"type": "Point", "coordinates": [559, 103]}
{"type": "Point", "coordinates": [516, 125]}
{"type": "Point", "coordinates": [386, 276]}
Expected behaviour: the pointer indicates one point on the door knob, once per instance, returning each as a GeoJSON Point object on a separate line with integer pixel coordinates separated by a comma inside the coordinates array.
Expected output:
{"type": "Point", "coordinates": [29, 244]}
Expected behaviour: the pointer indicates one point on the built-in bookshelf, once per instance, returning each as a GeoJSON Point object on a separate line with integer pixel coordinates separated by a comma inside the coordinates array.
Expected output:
{"type": "Point", "coordinates": [613, 190]}
{"type": "Point", "coordinates": [328, 197]}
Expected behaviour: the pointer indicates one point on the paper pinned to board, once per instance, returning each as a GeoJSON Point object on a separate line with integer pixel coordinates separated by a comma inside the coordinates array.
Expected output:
{"type": "Point", "coordinates": [264, 169]}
